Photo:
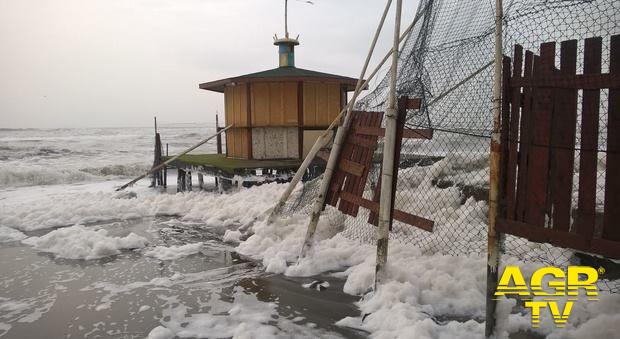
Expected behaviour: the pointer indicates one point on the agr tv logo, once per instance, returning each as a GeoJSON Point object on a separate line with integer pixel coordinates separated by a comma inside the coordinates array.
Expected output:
{"type": "Point", "coordinates": [561, 284]}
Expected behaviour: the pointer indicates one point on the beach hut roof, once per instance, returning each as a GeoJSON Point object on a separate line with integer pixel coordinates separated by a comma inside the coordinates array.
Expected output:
{"type": "Point", "coordinates": [281, 74]}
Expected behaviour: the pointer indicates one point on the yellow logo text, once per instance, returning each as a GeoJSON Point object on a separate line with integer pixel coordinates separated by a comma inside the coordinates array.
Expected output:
{"type": "Point", "coordinates": [558, 284]}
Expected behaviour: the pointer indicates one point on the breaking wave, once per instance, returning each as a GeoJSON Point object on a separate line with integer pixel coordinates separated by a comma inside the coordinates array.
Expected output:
{"type": "Point", "coordinates": [117, 170]}
{"type": "Point", "coordinates": [39, 175]}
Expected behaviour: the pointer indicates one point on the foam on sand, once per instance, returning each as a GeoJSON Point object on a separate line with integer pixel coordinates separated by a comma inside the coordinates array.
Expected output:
{"type": "Point", "coordinates": [173, 252]}
{"type": "Point", "coordinates": [8, 234]}
{"type": "Point", "coordinates": [79, 242]}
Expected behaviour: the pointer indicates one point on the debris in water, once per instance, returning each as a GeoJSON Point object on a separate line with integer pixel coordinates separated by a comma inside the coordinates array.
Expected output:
{"type": "Point", "coordinates": [319, 285]}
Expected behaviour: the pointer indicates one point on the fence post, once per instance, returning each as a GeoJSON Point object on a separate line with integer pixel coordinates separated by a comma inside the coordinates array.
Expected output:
{"type": "Point", "coordinates": [334, 155]}
{"type": "Point", "coordinates": [389, 145]}
{"type": "Point", "coordinates": [494, 238]}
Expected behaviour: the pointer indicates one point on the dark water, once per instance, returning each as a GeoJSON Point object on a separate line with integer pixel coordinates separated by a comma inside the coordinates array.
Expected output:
{"type": "Point", "coordinates": [127, 295]}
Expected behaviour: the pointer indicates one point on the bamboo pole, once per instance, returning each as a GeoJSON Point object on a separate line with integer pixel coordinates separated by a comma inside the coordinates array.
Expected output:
{"type": "Point", "coordinates": [323, 138]}
{"type": "Point", "coordinates": [165, 163]}
{"type": "Point", "coordinates": [339, 141]}
{"type": "Point", "coordinates": [349, 106]}
{"type": "Point", "coordinates": [335, 153]}
{"type": "Point", "coordinates": [494, 238]}
{"type": "Point", "coordinates": [389, 150]}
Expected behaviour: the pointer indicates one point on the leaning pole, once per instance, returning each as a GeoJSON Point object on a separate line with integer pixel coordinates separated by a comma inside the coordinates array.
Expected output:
{"type": "Point", "coordinates": [389, 151]}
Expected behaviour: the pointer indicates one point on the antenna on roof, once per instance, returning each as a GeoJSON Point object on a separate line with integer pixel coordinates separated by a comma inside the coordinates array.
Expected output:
{"type": "Point", "coordinates": [286, 45]}
{"type": "Point", "coordinates": [286, 15]}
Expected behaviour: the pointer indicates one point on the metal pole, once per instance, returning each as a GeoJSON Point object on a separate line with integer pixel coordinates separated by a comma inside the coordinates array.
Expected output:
{"type": "Point", "coordinates": [494, 238]}
{"type": "Point", "coordinates": [286, 19]}
{"type": "Point", "coordinates": [389, 144]}
{"type": "Point", "coordinates": [338, 142]}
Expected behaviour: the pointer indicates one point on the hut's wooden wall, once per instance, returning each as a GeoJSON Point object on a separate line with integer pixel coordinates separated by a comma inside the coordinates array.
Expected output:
{"type": "Point", "coordinates": [270, 106]}
{"type": "Point", "coordinates": [274, 104]}
{"type": "Point", "coordinates": [237, 142]}
{"type": "Point", "coordinates": [322, 103]}
{"type": "Point", "coordinates": [236, 105]}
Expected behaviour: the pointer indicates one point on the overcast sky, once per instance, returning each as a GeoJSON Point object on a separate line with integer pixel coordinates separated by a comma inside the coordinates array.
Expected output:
{"type": "Point", "coordinates": [108, 63]}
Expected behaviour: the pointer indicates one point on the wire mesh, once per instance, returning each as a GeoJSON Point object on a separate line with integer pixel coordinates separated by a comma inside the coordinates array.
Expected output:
{"type": "Point", "coordinates": [447, 62]}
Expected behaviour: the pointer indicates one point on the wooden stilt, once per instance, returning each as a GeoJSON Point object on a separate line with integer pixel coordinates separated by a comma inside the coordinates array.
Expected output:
{"type": "Point", "coordinates": [165, 174]}
{"type": "Point", "coordinates": [180, 180]}
{"type": "Point", "coordinates": [188, 181]}
{"type": "Point", "coordinates": [200, 181]}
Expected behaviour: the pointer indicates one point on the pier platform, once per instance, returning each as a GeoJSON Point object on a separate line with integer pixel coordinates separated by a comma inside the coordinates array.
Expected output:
{"type": "Point", "coordinates": [235, 171]}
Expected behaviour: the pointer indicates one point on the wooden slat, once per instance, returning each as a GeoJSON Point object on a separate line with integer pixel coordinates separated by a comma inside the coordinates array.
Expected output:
{"type": "Point", "coordinates": [344, 206]}
{"type": "Point", "coordinates": [538, 163]}
{"type": "Point", "coordinates": [607, 248]}
{"type": "Point", "coordinates": [357, 156]}
{"type": "Point", "coordinates": [504, 135]}
{"type": "Point", "coordinates": [412, 103]}
{"type": "Point", "coordinates": [611, 220]}
{"type": "Point", "coordinates": [249, 123]}
{"type": "Point", "coordinates": [405, 217]}
{"type": "Point", "coordinates": [408, 133]}
{"type": "Point", "coordinates": [338, 177]}
{"type": "Point", "coordinates": [515, 109]}
{"type": "Point", "coordinates": [586, 205]}
{"type": "Point", "coordinates": [376, 119]}
{"type": "Point", "coordinates": [580, 81]}
{"type": "Point", "coordinates": [348, 166]}
{"type": "Point", "coordinates": [363, 141]}
{"type": "Point", "coordinates": [563, 124]}
{"type": "Point", "coordinates": [541, 234]}
{"type": "Point", "coordinates": [351, 167]}
{"type": "Point", "coordinates": [418, 133]}
{"type": "Point", "coordinates": [525, 140]}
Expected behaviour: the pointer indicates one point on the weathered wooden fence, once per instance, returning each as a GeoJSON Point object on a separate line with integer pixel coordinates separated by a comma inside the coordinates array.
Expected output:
{"type": "Point", "coordinates": [356, 159]}
{"type": "Point", "coordinates": [539, 131]}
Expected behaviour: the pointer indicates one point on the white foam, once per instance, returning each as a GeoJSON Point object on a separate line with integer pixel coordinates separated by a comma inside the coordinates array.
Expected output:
{"type": "Point", "coordinates": [160, 332]}
{"type": "Point", "coordinates": [60, 208]}
{"type": "Point", "coordinates": [245, 317]}
{"type": "Point", "coordinates": [173, 252]}
{"type": "Point", "coordinates": [79, 242]}
{"type": "Point", "coordinates": [8, 234]}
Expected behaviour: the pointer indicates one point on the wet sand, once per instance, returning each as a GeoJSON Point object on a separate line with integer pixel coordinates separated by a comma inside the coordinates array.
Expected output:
{"type": "Point", "coordinates": [127, 295]}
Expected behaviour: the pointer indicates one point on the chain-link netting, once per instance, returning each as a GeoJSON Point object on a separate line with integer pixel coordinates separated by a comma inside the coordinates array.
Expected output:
{"type": "Point", "coordinates": [447, 61]}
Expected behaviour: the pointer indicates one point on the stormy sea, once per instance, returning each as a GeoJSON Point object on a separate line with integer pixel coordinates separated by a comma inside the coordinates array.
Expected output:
{"type": "Point", "coordinates": [78, 260]}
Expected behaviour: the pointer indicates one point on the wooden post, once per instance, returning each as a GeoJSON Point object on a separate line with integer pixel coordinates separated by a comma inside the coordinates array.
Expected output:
{"type": "Point", "coordinates": [389, 149]}
{"type": "Point", "coordinates": [494, 238]}
{"type": "Point", "coordinates": [219, 136]}
{"type": "Point", "coordinates": [188, 181]}
{"type": "Point", "coordinates": [334, 155]}
{"type": "Point", "coordinates": [169, 161]}
{"type": "Point", "coordinates": [155, 158]}
{"type": "Point", "coordinates": [200, 181]}
{"type": "Point", "coordinates": [180, 180]}
{"type": "Point", "coordinates": [166, 170]}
